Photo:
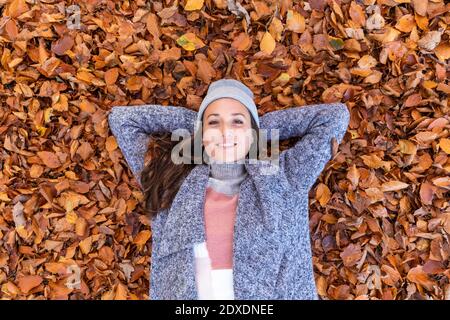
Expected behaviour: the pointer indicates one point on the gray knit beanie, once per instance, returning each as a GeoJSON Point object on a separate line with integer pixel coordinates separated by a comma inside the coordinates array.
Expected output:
{"type": "Point", "coordinates": [228, 88]}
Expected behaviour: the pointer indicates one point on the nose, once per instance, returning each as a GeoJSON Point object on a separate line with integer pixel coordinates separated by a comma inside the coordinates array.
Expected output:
{"type": "Point", "coordinates": [227, 134]}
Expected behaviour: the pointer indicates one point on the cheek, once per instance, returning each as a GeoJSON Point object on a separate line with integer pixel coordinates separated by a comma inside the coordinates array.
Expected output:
{"type": "Point", "coordinates": [210, 135]}
{"type": "Point", "coordinates": [245, 137]}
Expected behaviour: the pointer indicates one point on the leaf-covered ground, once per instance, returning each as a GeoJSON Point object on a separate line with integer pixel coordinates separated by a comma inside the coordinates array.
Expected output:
{"type": "Point", "coordinates": [70, 209]}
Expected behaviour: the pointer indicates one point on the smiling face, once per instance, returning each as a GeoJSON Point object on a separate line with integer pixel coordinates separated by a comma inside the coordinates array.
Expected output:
{"type": "Point", "coordinates": [227, 130]}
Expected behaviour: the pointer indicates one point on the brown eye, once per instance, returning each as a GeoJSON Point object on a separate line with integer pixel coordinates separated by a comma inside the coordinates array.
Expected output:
{"type": "Point", "coordinates": [238, 121]}
{"type": "Point", "coordinates": [212, 122]}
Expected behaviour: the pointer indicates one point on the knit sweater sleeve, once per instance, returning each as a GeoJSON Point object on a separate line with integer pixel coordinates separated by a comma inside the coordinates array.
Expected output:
{"type": "Point", "coordinates": [316, 125]}
{"type": "Point", "coordinates": [133, 125]}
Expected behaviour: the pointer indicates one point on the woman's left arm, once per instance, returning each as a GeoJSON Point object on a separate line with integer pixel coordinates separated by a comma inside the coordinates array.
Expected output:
{"type": "Point", "coordinates": [316, 124]}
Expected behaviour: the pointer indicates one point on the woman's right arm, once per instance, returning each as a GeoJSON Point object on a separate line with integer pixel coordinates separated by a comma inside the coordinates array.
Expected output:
{"type": "Point", "coordinates": [133, 125]}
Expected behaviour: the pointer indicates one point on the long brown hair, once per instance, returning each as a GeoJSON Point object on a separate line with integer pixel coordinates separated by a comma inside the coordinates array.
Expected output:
{"type": "Point", "coordinates": [161, 178]}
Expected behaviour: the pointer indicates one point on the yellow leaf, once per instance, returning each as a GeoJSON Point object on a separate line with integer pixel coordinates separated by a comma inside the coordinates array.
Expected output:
{"type": "Point", "coordinates": [23, 233]}
{"type": "Point", "coordinates": [41, 130]}
{"type": "Point", "coordinates": [422, 21]}
{"type": "Point", "coordinates": [4, 197]}
{"type": "Point", "coordinates": [121, 292]}
{"type": "Point", "coordinates": [190, 42]}
{"type": "Point", "coordinates": [192, 5]}
{"type": "Point", "coordinates": [47, 114]}
{"type": "Point", "coordinates": [444, 144]}
{"type": "Point", "coordinates": [267, 43]}
{"type": "Point", "coordinates": [295, 22]}
{"type": "Point", "coordinates": [60, 102]}
{"type": "Point", "coordinates": [71, 217]}
{"type": "Point", "coordinates": [407, 147]}
{"type": "Point", "coordinates": [85, 245]}
{"type": "Point", "coordinates": [323, 194]}
{"type": "Point", "coordinates": [429, 84]}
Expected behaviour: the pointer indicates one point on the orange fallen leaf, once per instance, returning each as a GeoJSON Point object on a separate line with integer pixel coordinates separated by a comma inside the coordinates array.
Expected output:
{"type": "Point", "coordinates": [417, 275]}
{"type": "Point", "coordinates": [50, 159]}
{"type": "Point", "coordinates": [142, 237]}
{"type": "Point", "coordinates": [26, 283]}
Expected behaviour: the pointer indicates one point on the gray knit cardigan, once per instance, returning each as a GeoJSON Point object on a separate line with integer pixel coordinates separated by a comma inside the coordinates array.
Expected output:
{"type": "Point", "coordinates": [272, 257]}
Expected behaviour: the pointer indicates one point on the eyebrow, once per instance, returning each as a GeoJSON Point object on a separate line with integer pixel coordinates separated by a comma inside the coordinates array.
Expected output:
{"type": "Point", "coordinates": [234, 114]}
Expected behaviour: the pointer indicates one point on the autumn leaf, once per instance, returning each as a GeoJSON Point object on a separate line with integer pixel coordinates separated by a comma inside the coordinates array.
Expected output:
{"type": "Point", "coordinates": [267, 43]}
{"type": "Point", "coordinates": [192, 5]}
{"type": "Point", "coordinates": [16, 8]}
{"type": "Point", "coordinates": [190, 42]}
{"type": "Point", "coordinates": [378, 217]}
{"type": "Point", "coordinates": [418, 276]}
{"type": "Point", "coordinates": [351, 255]}
{"type": "Point", "coordinates": [444, 143]}
{"type": "Point", "coordinates": [142, 237]}
{"type": "Point", "coordinates": [295, 22]}
{"type": "Point", "coordinates": [27, 283]}
{"type": "Point", "coordinates": [393, 186]}
{"type": "Point", "coordinates": [323, 194]}
{"type": "Point", "coordinates": [50, 159]}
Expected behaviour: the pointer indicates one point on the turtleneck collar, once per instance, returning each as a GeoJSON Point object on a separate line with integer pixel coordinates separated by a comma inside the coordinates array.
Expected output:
{"type": "Point", "coordinates": [229, 170]}
{"type": "Point", "coordinates": [226, 177]}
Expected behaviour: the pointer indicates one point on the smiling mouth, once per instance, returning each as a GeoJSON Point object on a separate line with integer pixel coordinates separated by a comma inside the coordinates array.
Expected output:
{"type": "Point", "coordinates": [226, 145]}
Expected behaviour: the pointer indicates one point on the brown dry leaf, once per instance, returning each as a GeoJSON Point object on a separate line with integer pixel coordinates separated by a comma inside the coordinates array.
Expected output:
{"type": "Point", "coordinates": [242, 42]}
{"type": "Point", "coordinates": [357, 14]}
{"type": "Point", "coordinates": [380, 206]}
{"type": "Point", "coordinates": [63, 44]}
{"type": "Point", "coordinates": [142, 237]}
{"type": "Point", "coordinates": [27, 283]}
{"type": "Point", "coordinates": [111, 76]}
{"type": "Point", "coordinates": [418, 276]}
{"type": "Point", "coordinates": [426, 193]}
{"type": "Point", "coordinates": [351, 255]}
{"type": "Point", "coordinates": [85, 151]}
{"type": "Point", "coordinates": [442, 51]}
{"type": "Point", "coordinates": [50, 159]}
{"type": "Point", "coordinates": [420, 6]}
{"type": "Point", "coordinates": [393, 186]}
{"type": "Point", "coordinates": [15, 8]}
